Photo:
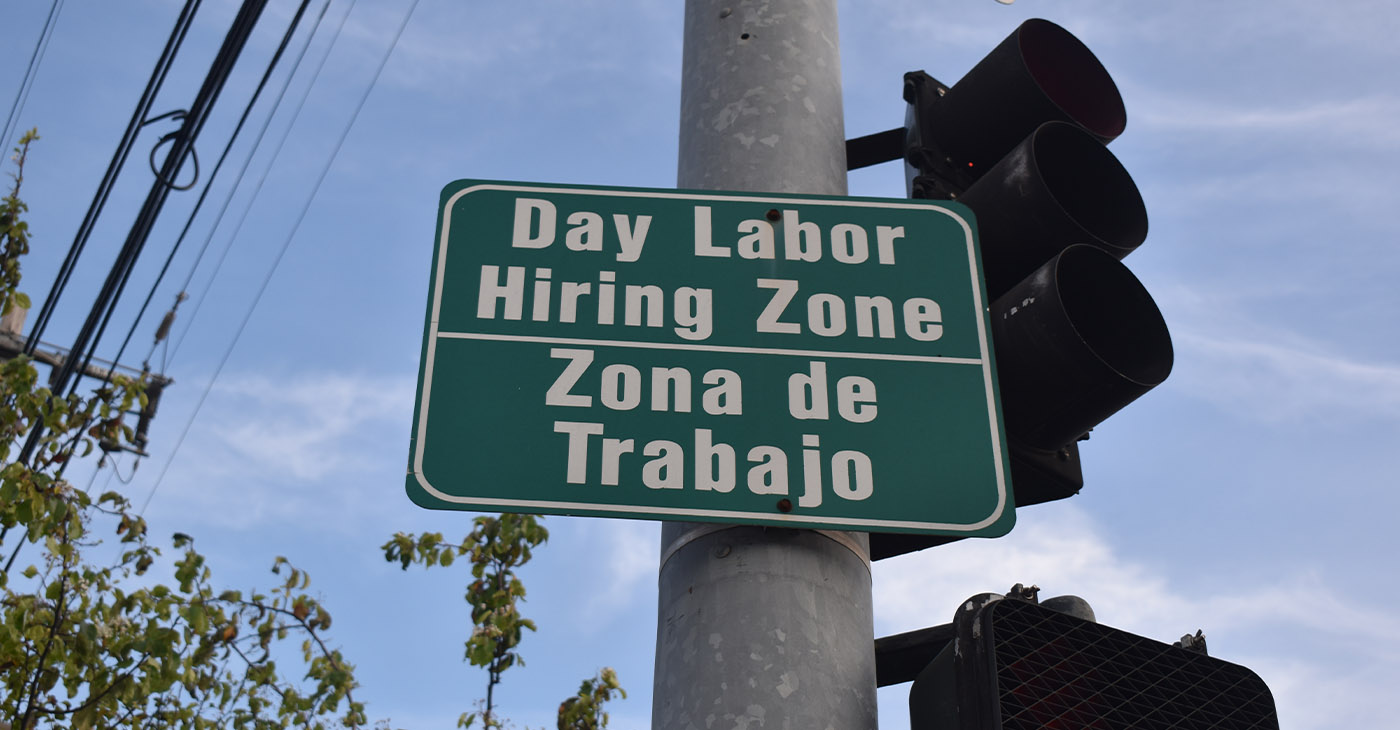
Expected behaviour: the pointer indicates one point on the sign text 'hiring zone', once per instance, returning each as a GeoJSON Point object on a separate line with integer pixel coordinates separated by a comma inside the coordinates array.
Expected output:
{"type": "Point", "coordinates": [509, 292]}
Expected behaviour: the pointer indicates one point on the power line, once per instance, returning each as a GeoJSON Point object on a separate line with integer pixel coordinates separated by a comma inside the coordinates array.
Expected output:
{"type": "Point", "coordinates": [247, 110]}
{"type": "Point", "coordinates": [185, 431]}
{"type": "Point", "coordinates": [158, 74]}
{"type": "Point", "coordinates": [32, 70]}
{"type": "Point", "coordinates": [181, 147]}
{"type": "Point", "coordinates": [153, 391]}
{"type": "Point", "coordinates": [285, 245]}
{"type": "Point", "coordinates": [257, 189]}
{"type": "Point", "coordinates": [104, 187]}
{"type": "Point", "coordinates": [90, 334]}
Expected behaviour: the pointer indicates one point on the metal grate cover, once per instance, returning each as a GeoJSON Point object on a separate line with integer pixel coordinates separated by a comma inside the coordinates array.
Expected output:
{"type": "Point", "coordinates": [1056, 671]}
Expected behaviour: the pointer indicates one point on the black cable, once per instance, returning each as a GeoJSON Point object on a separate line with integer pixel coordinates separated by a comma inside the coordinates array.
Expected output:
{"type": "Point", "coordinates": [90, 335]}
{"type": "Point", "coordinates": [257, 189]}
{"type": "Point", "coordinates": [247, 110]}
{"type": "Point", "coordinates": [105, 305]}
{"type": "Point", "coordinates": [104, 188]}
{"type": "Point", "coordinates": [286, 244]}
{"type": "Point", "coordinates": [117, 472]}
{"type": "Point", "coordinates": [93, 479]}
{"type": "Point", "coordinates": [35, 58]}
{"type": "Point", "coordinates": [194, 157]}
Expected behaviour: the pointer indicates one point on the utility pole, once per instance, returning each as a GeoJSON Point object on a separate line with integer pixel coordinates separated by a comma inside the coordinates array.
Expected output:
{"type": "Point", "coordinates": [761, 625]}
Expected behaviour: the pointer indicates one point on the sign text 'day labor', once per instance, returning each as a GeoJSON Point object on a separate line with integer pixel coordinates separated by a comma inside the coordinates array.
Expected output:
{"type": "Point", "coordinates": [773, 359]}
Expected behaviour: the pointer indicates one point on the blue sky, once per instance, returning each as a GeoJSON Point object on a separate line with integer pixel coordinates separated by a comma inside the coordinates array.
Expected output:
{"type": "Point", "coordinates": [1252, 495]}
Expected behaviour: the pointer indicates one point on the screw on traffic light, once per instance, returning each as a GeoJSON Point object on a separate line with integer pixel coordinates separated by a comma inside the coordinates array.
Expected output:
{"type": "Point", "coordinates": [1021, 140]}
{"type": "Point", "coordinates": [1011, 664]}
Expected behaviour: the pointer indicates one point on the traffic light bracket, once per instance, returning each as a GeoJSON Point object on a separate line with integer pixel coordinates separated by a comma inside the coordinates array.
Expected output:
{"type": "Point", "coordinates": [933, 175]}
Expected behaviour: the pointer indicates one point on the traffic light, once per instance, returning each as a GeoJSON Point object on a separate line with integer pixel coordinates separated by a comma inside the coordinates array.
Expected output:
{"type": "Point", "coordinates": [1020, 140]}
{"type": "Point", "coordinates": [1013, 664]}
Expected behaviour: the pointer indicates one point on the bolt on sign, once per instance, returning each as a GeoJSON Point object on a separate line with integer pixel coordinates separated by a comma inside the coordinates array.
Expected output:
{"type": "Point", "coordinates": [791, 360]}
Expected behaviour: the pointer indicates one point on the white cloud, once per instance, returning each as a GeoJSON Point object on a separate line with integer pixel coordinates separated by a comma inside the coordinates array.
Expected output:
{"type": "Point", "coordinates": [454, 49]}
{"type": "Point", "coordinates": [299, 428]}
{"type": "Point", "coordinates": [1310, 696]}
{"type": "Point", "coordinates": [1276, 382]}
{"type": "Point", "coordinates": [1068, 557]}
{"type": "Point", "coordinates": [1361, 122]}
{"type": "Point", "coordinates": [285, 449]}
{"type": "Point", "coordinates": [1351, 26]}
{"type": "Point", "coordinates": [1267, 371]}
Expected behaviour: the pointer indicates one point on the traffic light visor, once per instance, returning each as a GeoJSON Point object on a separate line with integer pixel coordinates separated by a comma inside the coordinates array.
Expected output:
{"type": "Point", "coordinates": [1076, 341]}
{"type": "Point", "coordinates": [1058, 187]}
{"type": "Point", "coordinates": [1071, 77]}
{"type": "Point", "coordinates": [1040, 73]}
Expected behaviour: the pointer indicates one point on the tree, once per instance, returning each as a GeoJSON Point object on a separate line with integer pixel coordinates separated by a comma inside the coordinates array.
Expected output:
{"type": "Point", "coordinates": [88, 636]}
{"type": "Point", "coordinates": [497, 547]}
{"type": "Point", "coordinates": [90, 639]}
{"type": "Point", "coordinates": [584, 711]}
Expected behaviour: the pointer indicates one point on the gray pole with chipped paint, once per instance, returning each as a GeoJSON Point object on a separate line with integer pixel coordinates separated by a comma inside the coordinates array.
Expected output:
{"type": "Point", "coordinates": [763, 627]}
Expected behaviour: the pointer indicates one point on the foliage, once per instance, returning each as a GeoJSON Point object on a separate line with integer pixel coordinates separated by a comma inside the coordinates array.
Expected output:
{"type": "Point", "coordinates": [497, 547]}
{"type": "Point", "coordinates": [584, 711]}
{"type": "Point", "coordinates": [14, 232]}
{"type": "Point", "coordinates": [89, 637]}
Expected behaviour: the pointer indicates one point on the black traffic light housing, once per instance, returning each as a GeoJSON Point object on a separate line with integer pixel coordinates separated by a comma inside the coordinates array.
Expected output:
{"type": "Point", "coordinates": [1012, 664]}
{"type": "Point", "coordinates": [1020, 140]}
{"type": "Point", "coordinates": [1040, 73]}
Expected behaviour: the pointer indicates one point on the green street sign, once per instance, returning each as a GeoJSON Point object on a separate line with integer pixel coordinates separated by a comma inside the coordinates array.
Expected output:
{"type": "Point", "coordinates": [792, 360]}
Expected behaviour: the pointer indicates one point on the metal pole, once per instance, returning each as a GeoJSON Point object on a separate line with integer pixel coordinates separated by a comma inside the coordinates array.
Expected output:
{"type": "Point", "coordinates": [763, 626]}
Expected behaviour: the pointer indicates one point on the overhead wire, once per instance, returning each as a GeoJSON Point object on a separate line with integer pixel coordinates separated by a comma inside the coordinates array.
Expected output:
{"type": "Point", "coordinates": [157, 79]}
{"type": "Point", "coordinates": [291, 235]}
{"type": "Point", "coordinates": [104, 187]}
{"type": "Point", "coordinates": [93, 479]}
{"type": "Point", "coordinates": [237, 182]}
{"type": "Point", "coordinates": [253, 196]}
{"type": "Point", "coordinates": [90, 335]}
{"type": "Point", "coordinates": [104, 305]}
{"type": "Point", "coordinates": [35, 59]}
{"type": "Point", "coordinates": [181, 148]}
{"type": "Point", "coordinates": [292, 26]}
{"type": "Point", "coordinates": [233, 137]}
{"type": "Point", "coordinates": [247, 162]}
